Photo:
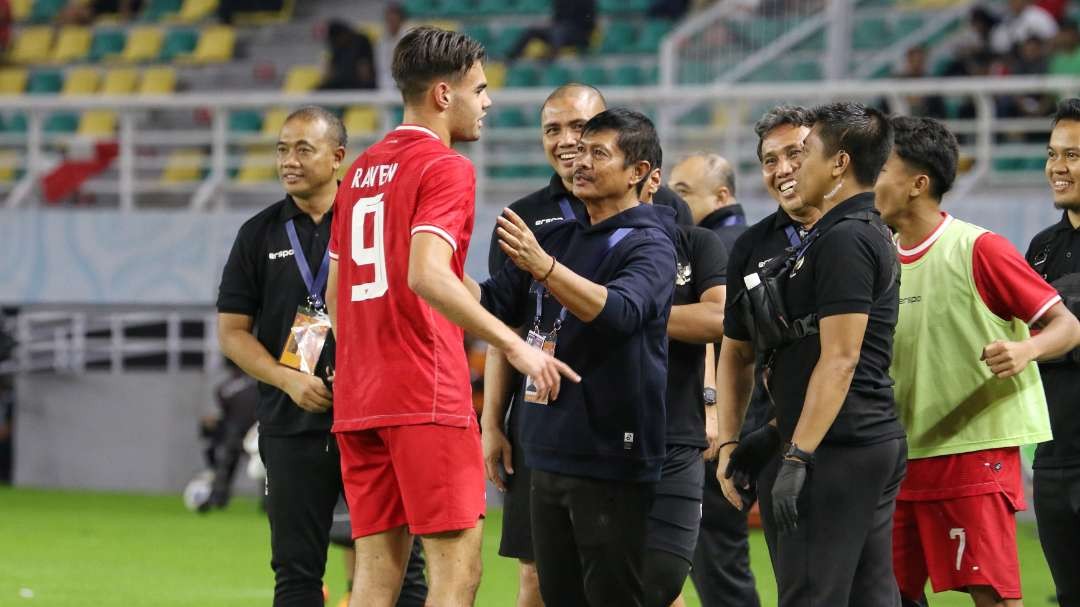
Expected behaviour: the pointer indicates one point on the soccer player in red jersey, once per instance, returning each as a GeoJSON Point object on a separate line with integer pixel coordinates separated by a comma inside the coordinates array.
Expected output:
{"type": "Point", "coordinates": [399, 302]}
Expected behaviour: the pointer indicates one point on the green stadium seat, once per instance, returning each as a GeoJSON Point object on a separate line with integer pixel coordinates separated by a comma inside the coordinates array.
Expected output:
{"type": "Point", "coordinates": [480, 33]}
{"type": "Point", "coordinates": [694, 72]}
{"type": "Point", "coordinates": [699, 116]}
{"type": "Point", "coordinates": [178, 42]}
{"type": "Point", "coordinates": [491, 7]}
{"type": "Point", "coordinates": [245, 121]}
{"type": "Point", "coordinates": [555, 75]}
{"type": "Point", "coordinates": [805, 71]}
{"type": "Point", "coordinates": [622, 7]}
{"type": "Point", "coordinates": [61, 122]}
{"type": "Point", "coordinates": [764, 30]}
{"type": "Point", "coordinates": [45, 82]}
{"type": "Point", "coordinates": [504, 41]}
{"type": "Point", "coordinates": [906, 25]}
{"type": "Point", "coordinates": [45, 11]}
{"type": "Point", "coordinates": [652, 33]}
{"type": "Point", "coordinates": [870, 34]}
{"type": "Point", "coordinates": [521, 76]}
{"type": "Point", "coordinates": [533, 6]}
{"type": "Point", "coordinates": [815, 43]}
{"type": "Point", "coordinates": [593, 74]}
{"type": "Point", "coordinates": [156, 10]}
{"type": "Point", "coordinates": [455, 8]}
{"type": "Point", "coordinates": [106, 42]}
{"type": "Point", "coordinates": [652, 75]}
{"type": "Point", "coordinates": [421, 8]}
{"type": "Point", "coordinates": [628, 75]}
{"type": "Point", "coordinates": [619, 37]}
{"type": "Point", "coordinates": [511, 117]}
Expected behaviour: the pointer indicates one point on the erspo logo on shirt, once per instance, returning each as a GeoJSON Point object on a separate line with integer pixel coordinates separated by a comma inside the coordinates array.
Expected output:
{"type": "Point", "coordinates": [280, 254]}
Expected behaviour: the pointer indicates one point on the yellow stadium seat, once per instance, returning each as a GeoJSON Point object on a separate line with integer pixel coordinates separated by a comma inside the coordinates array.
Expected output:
{"type": "Point", "coordinates": [257, 166]}
{"type": "Point", "coordinates": [97, 123]}
{"type": "Point", "coordinates": [373, 31]}
{"type": "Point", "coordinates": [32, 45]}
{"type": "Point", "coordinates": [143, 44]}
{"type": "Point", "coordinates": [184, 165]}
{"type": "Point", "coordinates": [302, 79]}
{"type": "Point", "coordinates": [361, 119]}
{"type": "Point", "coordinates": [20, 10]}
{"type": "Point", "coordinates": [13, 81]}
{"type": "Point", "coordinates": [160, 80]}
{"type": "Point", "coordinates": [496, 74]}
{"type": "Point", "coordinates": [81, 81]}
{"type": "Point", "coordinates": [273, 120]}
{"type": "Point", "coordinates": [8, 160]}
{"type": "Point", "coordinates": [193, 11]}
{"type": "Point", "coordinates": [120, 81]}
{"type": "Point", "coordinates": [73, 44]}
{"type": "Point", "coordinates": [215, 46]}
{"type": "Point", "coordinates": [267, 17]}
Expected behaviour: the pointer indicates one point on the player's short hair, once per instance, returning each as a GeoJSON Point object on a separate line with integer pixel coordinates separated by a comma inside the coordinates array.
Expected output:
{"type": "Point", "coordinates": [636, 136]}
{"type": "Point", "coordinates": [780, 115]}
{"type": "Point", "coordinates": [717, 167]}
{"type": "Point", "coordinates": [1067, 109]}
{"type": "Point", "coordinates": [569, 88]}
{"type": "Point", "coordinates": [426, 53]}
{"type": "Point", "coordinates": [863, 132]}
{"type": "Point", "coordinates": [335, 128]}
{"type": "Point", "coordinates": [928, 146]}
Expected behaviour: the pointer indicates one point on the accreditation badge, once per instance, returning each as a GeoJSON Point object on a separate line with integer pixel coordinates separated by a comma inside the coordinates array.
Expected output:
{"type": "Point", "coordinates": [546, 343]}
{"type": "Point", "coordinates": [307, 336]}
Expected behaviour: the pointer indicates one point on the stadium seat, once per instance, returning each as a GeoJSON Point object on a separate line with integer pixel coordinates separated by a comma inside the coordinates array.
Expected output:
{"type": "Point", "coordinates": [652, 33]}
{"type": "Point", "coordinates": [699, 116]}
{"type": "Point", "coordinates": [215, 45]}
{"type": "Point", "coordinates": [628, 75]}
{"type": "Point", "coordinates": [156, 10]}
{"type": "Point", "coordinates": [45, 11]}
{"type": "Point", "coordinates": [45, 82]}
{"type": "Point", "coordinates": [455, 8]}
{"type": "Point", "coordinates": [61, 122]}
{"type": "Point", "coordinates": [20, 10]}
{"type": "Point", "coordinates": [870, 33]}
{"type": "Point", "coordinates": [184, 165]}
{"type": "Point", "coordinates": [481, 33]}
{"type": "Point", "coordinates": [178, 42]}
{"type": "Point", "coordinates": [272, 122]}
{"type": "Point", "coordinates": [245, 121]}
{"type": "Point", "coordinates": [106, 43]}
{"type": "Point", "coordinates": [511, 117]}
{"type": "Point", "coordinates": [97, 123]}
{"type": "Point", "coordinates": [158, 80]}
{"type": "Point", "coordinates": [492, 7]}
{"type": "Point", "coordinates": [906, 25]}
{"type": "Point", "coordinates": [9, 159]}
{"type": "Point", "coordinates": [13, 81]}
{"type": "Point", "coordinates": [621, 6]}
{"type": "Point", "coordinates": [815, 43]}
{"type": "Point", "coordinates": [361, 119]}
{"type": "Point", "coordinates": [302, 79]}
{"type": "Point", "coordinates": [120, 81]}
{"type": "Point", "coordinates": [505, 40]}
{"type": "Point", "coordinates": [81, 81]}
{"type": "Point", "coordinates": [32, 45]}
{"type": "Point", "coordinates": [619, 37]}
{"type": "Point", "coordinates": [521, 76]}
{"type": "Point", "coordinates": [72, 45]}
{"type": "Point", "coordinates": [143, 44]}
{"type": "Point", "coordinates": [593, 74]}
{"type": "Point", "coordinates": [421, 8]}
{"type": "Point", "coordinates": [257, 166]}
{"type": "Point", "coordinates": [259, 18]}
{"type": "Point", "coordinates": [694, 72]}
{"type": "Point", "coordinates": [194, 11]}
{"type": "Point", "coordinates": [805, 71]}
{"type": "Point", "coordinates": [16, 123]}
{"type": "Point", "coordinates": [496, 74]}
{"type": "Point", "coordinates": [555, 75]}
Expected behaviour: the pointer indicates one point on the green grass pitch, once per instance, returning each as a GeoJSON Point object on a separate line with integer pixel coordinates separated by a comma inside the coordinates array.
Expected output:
{"type": "Point", "coordinates": [75, 549]}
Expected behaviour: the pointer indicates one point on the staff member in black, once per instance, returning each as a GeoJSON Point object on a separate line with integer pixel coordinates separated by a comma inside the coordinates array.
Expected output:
{"type": "Point", "coordinates": [277, 264]}
{"type": "Point", "coordinates": [1055, 254]}
{"type": "Point", "coordinates": [829, 379]}
{"type": "Point", "coordinates": [562, 116]}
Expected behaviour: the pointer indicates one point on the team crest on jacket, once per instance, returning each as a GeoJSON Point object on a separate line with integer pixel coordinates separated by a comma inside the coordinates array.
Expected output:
{"type": "Point", "coordinates": [682, 277]}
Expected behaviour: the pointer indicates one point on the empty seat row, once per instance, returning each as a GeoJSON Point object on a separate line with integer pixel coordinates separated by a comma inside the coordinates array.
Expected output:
{"type": "Point", "coordinates": [142, 44]}
{"type": "Point", "coordinates": [156, 80]}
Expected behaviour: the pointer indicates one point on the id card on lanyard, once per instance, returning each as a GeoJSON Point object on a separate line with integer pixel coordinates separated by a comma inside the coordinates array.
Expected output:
{"type": "Point", "coordinates": [311, 324]}
{"type": "Point", "coordinates": [547, 341]}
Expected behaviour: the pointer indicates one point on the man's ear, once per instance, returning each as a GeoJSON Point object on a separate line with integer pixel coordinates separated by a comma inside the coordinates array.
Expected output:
{"type": "Point", "coordinates": [441, 94]}
{"type": "Point", "coordinates": [723, 194]}
{"type": "Point", "coordinates": [920, 185]}
{"type": "Point", "coordinates": [843, 161]}
{"type": "Point", "coordinates": [642, 170]}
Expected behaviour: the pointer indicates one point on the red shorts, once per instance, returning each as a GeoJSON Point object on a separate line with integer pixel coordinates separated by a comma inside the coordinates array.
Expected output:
{"type": "Point", "coordinates": [964, 535]}
{"type": "Point", "coordinates": [426, 476]}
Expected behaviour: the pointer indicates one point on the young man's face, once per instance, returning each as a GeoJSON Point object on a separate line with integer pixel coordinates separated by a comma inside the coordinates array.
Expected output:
{"type": "Point", "coordinates": [894, 187]}
{"type": "Point", "coordinates": [781, 157]}
{"type": "Point", "coordinates": [599, 168]}
{"type": "Point", "coordinates": [469, 104]}
{"type": "Point", "coordinates": [307, 156]}
{"type": "Point", "coordinates": [815, 176]}
{"type": "Point", "coordinates": [561, 121]}
{"type": "Point", "coordinates": [1063, 165]}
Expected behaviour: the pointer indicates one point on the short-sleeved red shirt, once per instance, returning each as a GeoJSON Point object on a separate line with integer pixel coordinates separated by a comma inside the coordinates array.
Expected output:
{"type": "Point", "coordinates": [399, 361]}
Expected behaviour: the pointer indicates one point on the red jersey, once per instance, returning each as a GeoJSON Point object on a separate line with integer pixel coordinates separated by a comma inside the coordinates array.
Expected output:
{"type": "Point", "coordinates": [399, 362]}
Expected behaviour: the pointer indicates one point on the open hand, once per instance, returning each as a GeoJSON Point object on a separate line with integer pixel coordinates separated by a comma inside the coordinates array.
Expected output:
{"type": "Point", "coordinates": [545, 370]}
{"type": "Point", "coordinates": [520, 245]}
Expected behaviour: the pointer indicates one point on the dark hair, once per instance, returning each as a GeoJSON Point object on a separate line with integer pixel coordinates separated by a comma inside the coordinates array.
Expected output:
{"type": "Point", "coordinates": [335, 128]}
{"type": "Point", "coordinates": [1067, 109]}
{"type": "Point", "coordinates": [863, 132]}
{"type": "Point", "coordinates": [929, 147]}
{"type": "Point", "coordinates": [779, 116]}
{"type": "Point", "coordinates": [426, 53]}
{"type": "Point", "coordinates": [570, 87]}
{"type": "Point", "coordinates": [636, 136]}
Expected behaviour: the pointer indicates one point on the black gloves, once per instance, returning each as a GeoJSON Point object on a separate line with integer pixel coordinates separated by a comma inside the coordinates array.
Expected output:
{"type": "Point", "coordinates": [751, 454]}
{"type": "Point", "coordinates": [785, 494]}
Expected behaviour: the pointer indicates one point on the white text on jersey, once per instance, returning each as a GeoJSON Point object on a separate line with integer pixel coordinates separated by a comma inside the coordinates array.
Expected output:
{"type": "Point", "coordinates": [381, 173]}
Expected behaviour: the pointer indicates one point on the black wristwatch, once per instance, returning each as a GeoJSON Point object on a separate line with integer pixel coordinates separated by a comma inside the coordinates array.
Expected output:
{"type": "Point", "coordinates": [710, 396]}
{"type": "Point", "coordinates": [794, 452]}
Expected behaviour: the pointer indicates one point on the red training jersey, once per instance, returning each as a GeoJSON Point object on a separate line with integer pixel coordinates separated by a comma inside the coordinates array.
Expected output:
{"type": "Point", "coordinates": [399, 362]}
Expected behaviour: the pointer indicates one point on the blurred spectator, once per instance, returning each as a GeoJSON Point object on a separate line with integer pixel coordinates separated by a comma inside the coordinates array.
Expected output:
{"type": "Point", "coordinates": [352, 59]}
{"type": "Point", "coordinates": [914, 66]}
{"type": "Point", "coordinates": [1066, 56]}
{"type": "Point", "coordinates": [1024, 20]}
{"type": "Point", "coordinates": [223, 433]}
{"type": "Point", "coordinates": [1030, 58]}
{"type": "Point", "coordinates": [80, 12]}
{"type": "Point", "coordinates": [227, 9]}
{"type": "Point", "coordinates": [1056, 8]}
{"type": "Point", "coordinates": [572, 24]}
{"type": "Point", "coordinates": [971, 54]}
{"type": "Point", "coordinates": [668, 9]}
{"type": "Point", "coordinates": [394, 18]}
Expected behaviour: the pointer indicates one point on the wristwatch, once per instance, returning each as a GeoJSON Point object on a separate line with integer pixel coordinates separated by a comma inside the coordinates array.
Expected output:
{"type": "Point", "coordinates": [710, 396]}
{"type": "Point", "coordinates": [794, 452]}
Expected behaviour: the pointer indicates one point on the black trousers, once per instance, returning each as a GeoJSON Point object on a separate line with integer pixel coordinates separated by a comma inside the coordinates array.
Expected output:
{"type": "Point", "coordinates": [303, 484]}
{"type": "Point", "coordinates": [841, 552]}
{"type": "Point", "coordinates": [589, 539]}
{"type": "Point", "coordinates": [1057, 509]}
{"type": "Point", "coordinates": [721, 571]}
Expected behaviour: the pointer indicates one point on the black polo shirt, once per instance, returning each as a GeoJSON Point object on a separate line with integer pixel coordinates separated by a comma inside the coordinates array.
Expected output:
{"type": "Point", "coordinates": [1053, 253]}
{"type": "Point", "coordinates": [702, 264]}
{"type": "Point", "coordinates": [261, 280]}
{"type": "Point", "coordinates": [542, 208]}
{"type": "Point", "coordinates": [728, 222]}
{"type": "Point", "coordinates": [851, 268]}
